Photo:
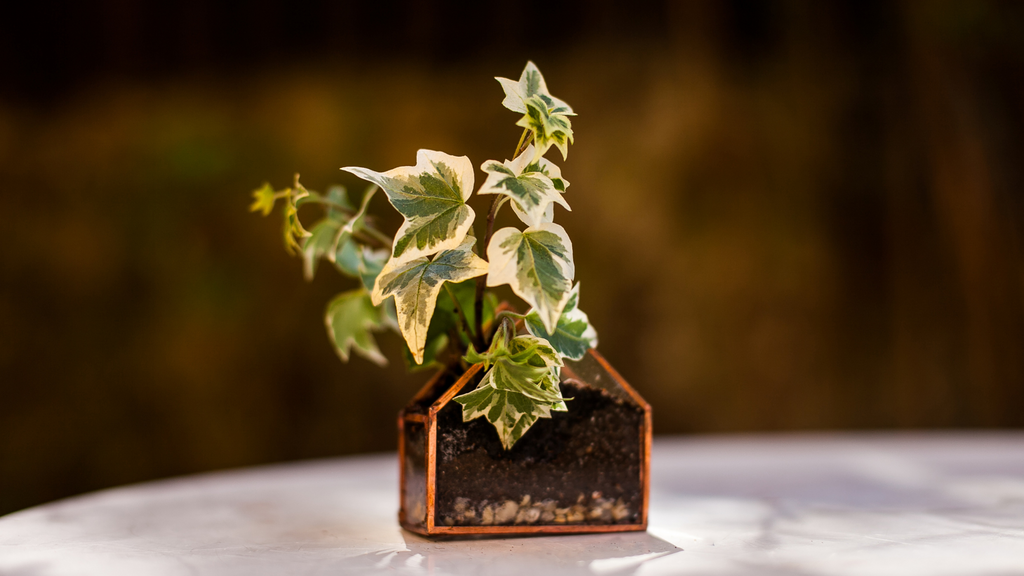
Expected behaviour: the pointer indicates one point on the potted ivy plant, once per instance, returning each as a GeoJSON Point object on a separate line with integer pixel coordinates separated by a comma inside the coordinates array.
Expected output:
{"type": "Point", "coordinates": [524, 428]}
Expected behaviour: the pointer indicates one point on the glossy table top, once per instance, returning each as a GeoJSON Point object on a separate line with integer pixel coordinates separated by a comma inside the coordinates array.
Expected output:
{"type": "Point", "coordinates": [928, 504]}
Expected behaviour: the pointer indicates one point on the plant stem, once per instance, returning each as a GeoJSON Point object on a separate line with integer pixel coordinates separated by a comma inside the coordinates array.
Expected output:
{"type": "Point", "coordinates": [524, 142]}
{"type": "Point", "coordinates": [378, 236]}
{"type": "Point", "coordinates": [462, 315]}
{"type": "Point", "coordinates": [481, 282]}
{"type": "Point", "coordinates": [508, 314]}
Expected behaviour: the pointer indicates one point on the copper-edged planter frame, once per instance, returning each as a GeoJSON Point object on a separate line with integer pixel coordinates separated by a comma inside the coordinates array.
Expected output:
{"type": "Point", "coordinates": [415, 421]}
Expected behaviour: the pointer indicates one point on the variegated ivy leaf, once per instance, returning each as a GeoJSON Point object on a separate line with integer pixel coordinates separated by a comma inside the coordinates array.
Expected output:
{"type": "Point", "coordinates": [333, 236]}
{"type": "Point", "coordinates": [293, 230]}
{"type": "Point", "coordinates": [522, 379]}
{"type": "Point", "coordinates": [533, 193]}
{"type": "Point", "coordinates": [537, 263]}
{"type": "Point", "coordinates": [416, 283]}
{"type": "Point", "coordinates": [520, 387]}
{"type": "Point", "coordinates": [510, 413]}
{"type": "Point", "coordinates": [533, 351]}
{"type": "Point", "coordinates": [446, 321]}
{"type": "Point", "coordinates": [551, 382]}
{"type": "Point", "coordinates": [350, 318]}
{"type": "Point", "coordinates": [432, 197]}
{"type": "Point", "coordinates": [553, 172]}
{"type": "Point", "coordinates": [549, 127]}
{"type": "Point", "coordinates": [531, 83]}
{"type": "Point", "coordinates": [513, 397]}
{"type": "Point", "coordinates": [319, 242]}
{"type": "Point", "coordinates": [337, 202]}
{"type": "Point", "coordinates": [358, 261]}
{"type": "Point", "coordinates": [347, 259]}
{"type": "Point", "coordinates": [371, 262]}
{"type": "Point", "coordinates": [573, 335]}
{"type": "Point", "coordinates": [263, 199]}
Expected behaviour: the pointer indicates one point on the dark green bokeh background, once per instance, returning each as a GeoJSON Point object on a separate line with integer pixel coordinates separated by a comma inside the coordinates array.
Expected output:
{"type": "Point", "coordinates": [786, 215]}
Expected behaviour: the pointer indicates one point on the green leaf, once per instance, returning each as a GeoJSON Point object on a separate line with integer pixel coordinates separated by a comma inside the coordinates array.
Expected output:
{"type": "Point", "coordinates": [537, 263]}
{"type": "Point", "coordinates": [532, 191]}
{"type": "Point", "coordinates": [331, 237]}
{"type": "Point", "coordinates": [548, 126]}
{"type": "Point", "coordinates": [263, 199]}
{"type": "Point", "coordinates": [533, 351]}
{"type": "Point", "coordinates": [432, 197]}
{"type": "Point", "coordinates": [338, 204]}
{"type": "Point", "coordinates": [530, 83]}
{"type": "Point", "coordinates": [293, 230]}
{"type": "Point", "coordinates": [416, 283]}
{"type": "Point", "coordinates": [350, 318]}
{"type": "Point", "coordinates": [370, 263]}
{"type": "Point", "coordinates": [320, 241]}
{"type": "Point", "coordinates": [573, 335]}
{"type": "Point", "coordinates": [347, 258]}
{"type": "Point", "coordinates": [520, 378]}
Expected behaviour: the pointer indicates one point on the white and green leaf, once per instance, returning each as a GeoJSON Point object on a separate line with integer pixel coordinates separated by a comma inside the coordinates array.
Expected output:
{"type": "Point", "coordinates": [512, 397]}
{"type": "Point", "coordinates": [553, 172]}
{"type": "Point", "coordinates": [524, 379]}
{"type": "Point", "coordinates": [549, 127]}
{"type": "Point", "coordinates": [520, 385]}
{"type": "Point", "coordinates": [510, 413]}
{"type": "Point", "coordinates": [532, 191]}
{"type": "Point", "coordinates": [551, 382]}
{"type": "Point", "coordinates": [350, 319]}
{"type": "Point", "coordinates": [537, 263]}
{"type": "Point", "coordinates": [573, 335]}
{"type": "Point", "coordinates": [432, 197]}
{"type": "Point", "coordinates": [416, 283]}
{"type": "Point", "coordinates": [530, 83]}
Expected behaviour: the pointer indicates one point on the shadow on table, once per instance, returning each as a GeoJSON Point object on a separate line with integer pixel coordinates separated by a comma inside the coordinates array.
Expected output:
{"type": "Point", "coordinates": [617, 554]}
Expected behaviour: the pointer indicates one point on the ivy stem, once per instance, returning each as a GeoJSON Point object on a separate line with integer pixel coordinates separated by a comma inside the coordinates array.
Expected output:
{"type": "Point", "coordinates": [377, 235]}
{"type": "Point", "coordinates": [508, 314]}
{"type": "Point", "coordinates": [524, 142]}
{"type": "Point", "coordinates": [462, 316]}
{"type": "Point", "coordinates": [481, 281]}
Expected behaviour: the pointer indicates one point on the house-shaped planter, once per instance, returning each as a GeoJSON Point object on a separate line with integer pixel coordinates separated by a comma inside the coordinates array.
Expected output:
{"type": "Point", "coordinates": [585, 470]}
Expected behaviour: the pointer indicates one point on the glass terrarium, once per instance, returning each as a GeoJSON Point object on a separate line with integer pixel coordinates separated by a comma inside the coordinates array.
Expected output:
{"type": "Point", "coordinates": [584, 470]}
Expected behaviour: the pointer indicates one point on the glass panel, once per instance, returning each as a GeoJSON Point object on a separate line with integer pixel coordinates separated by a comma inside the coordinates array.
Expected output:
{"type": "Point", "coordinates": [577, 467]}
{"type": "Point", "coordinates": [415, 471]}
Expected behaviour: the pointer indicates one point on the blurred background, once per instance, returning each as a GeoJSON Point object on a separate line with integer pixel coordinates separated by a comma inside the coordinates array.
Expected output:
{"type": "Point", "coordinates": [786, 215]}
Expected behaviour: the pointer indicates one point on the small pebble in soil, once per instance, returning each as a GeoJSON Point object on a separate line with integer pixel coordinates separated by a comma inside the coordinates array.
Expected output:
{"type": "Point", "coordinates": [506, 513]}
{"type": "Point", "coordinates": [594, 509]}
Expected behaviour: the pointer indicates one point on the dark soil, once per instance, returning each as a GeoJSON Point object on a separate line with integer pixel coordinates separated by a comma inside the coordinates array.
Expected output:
{"type": "Point", "coordinates": [578, 467]}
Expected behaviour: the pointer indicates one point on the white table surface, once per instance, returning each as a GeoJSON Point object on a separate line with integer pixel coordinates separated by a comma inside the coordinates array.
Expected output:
{"type": "Point", "coordinates": [878, 504]}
